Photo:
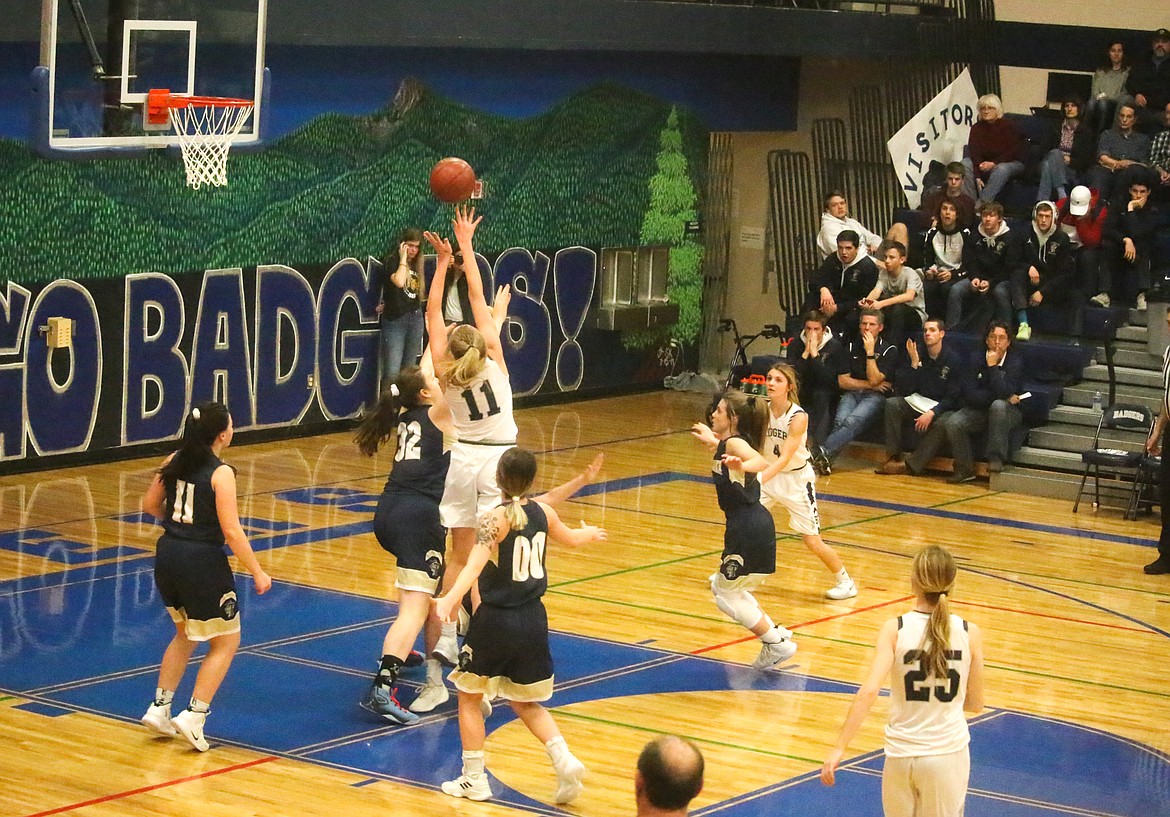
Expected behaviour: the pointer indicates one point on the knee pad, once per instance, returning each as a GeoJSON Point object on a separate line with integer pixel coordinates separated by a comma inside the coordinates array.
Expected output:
{"type": "Point", "coordinates": [738, 605]}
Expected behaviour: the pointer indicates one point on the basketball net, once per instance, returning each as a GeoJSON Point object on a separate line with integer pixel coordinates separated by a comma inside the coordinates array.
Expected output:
{"type": "Point", "coordinates": [205, 127]}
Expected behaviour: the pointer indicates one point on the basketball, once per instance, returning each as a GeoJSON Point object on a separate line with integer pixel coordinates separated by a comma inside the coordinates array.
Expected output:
{"type": "Point", "coordinates": [452, 180]}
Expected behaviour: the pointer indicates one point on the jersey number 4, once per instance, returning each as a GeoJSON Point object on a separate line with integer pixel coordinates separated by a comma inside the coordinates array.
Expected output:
{"type": "Point", "coordinates": [528, 558]}
{"type": "Point", "coordinates": [489, 396]}
{"type": "Point", "coordinates": [917, 687]}
{"type": "Point", "coordinates": [184, 510]}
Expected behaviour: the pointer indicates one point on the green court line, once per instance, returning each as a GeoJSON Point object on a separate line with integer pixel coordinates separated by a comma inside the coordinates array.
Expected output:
{"type": "Point", "coordinates": [1051, 677]}
{"type": "Point", "coordinates": [706, 555]}
{"type": "Point", "coordinates": [703, 741]}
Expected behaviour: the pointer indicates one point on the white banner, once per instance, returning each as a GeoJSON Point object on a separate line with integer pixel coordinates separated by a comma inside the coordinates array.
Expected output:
{"type": "Point", "coordinates": [936, 133]}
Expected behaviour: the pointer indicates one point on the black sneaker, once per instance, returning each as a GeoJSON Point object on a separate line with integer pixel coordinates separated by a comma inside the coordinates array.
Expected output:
{"type": "Point", "coordinates": [820, 461]}
{"type": "Point", "coordinates": [1158, 567]}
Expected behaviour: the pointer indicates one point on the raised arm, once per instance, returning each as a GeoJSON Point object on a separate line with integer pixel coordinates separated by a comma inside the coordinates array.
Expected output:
{"type": "Point", "coordinates": [223, 481]}
{"type": "Point", "coordinates": [557, 495]}
{"type": "Point", "coordinates": [558, 531]}
{"type": "Point", "coordinates": [465, 224]}
{"type": "Point", "coordinates": [436, 329]}
{"type": "Point", "coordinates": [879, 671]}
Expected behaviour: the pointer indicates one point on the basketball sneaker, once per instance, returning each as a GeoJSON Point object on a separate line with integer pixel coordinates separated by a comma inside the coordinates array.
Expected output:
{"type": "Point", "coordinates": [432, 695]}
{"type": "Point", "coordinates": [414, 658]}
{"type": "Point", "coordinates": [472, 788]}
{"type": "Point", "coordinates": [485, 707]}
{"type": "Point", "coordinates": [382, 702]}
{"type": "Point", "coordinates": [447, 650]}
{"type": "Point", "coordinates": [570, 780]}
{"type": "Point", "coordinates": [190, 725]}
{"type": "Point", "coordinates": [158, 718]}
{"type": "Point", "coordinates": [775, 653]}
{"type": "Point", "coordinates": [844, 589]}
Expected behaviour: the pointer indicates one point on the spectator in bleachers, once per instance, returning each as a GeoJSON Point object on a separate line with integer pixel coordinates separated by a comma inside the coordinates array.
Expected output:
{"type": "Point", "coordinates": [1160, 160]}
{"type": "Point", "coordinates": [1108, 88]}
{"type": "Point", "coordinates": [943, 257]}
{"type": "Point", "coordinates": [898, 294]}
{"type": "Point", "coordinates": [1122, 154]}
{"type": "Point", "coordinates": [866, 377]}
{"type": "Point", "coordinates": [988, 259]}
{"type": "Point", "coordinates": [842, 280]}
{"type": "Point", "coordinates": [1149, 82]}
{"type": "Point", "coordinates": [995, 150]}
{"type": "Point", "coordinates": [817, 356]}
{"type": "Point", "coordinates": [1046, 274]}
{"type": "Point", "coordinates": [926, 216]}
{"type": "Point", "coordinates": [937, 376]}
{"type": "Point", "coordinates": [1082, 218]}
{"type": "Point", "coordinates": [991, 403]}
{"type": "Point", "coordinates": [835, 219]}
{"type": "Point", "coordinates": [1128, 243]}
{"type": "Point", "coordinates": [1068, 154]}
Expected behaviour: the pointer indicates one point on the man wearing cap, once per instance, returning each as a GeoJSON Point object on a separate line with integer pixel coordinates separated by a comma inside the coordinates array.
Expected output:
{"type": "Point", "coordinates": [1122, 154]}
{"type": "Point", "coordinates": [1160, 159]}
{"type": "Point", "coordinates": [1082, 217]}
{"type": "Point", "coordinates": [1149, 82]}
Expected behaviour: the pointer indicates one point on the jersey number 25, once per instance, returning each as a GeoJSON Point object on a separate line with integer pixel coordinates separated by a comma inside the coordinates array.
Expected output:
{"type": "Point", "coordinates": [917, 688]}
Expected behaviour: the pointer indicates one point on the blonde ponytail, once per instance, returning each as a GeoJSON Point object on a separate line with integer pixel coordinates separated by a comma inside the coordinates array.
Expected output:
{"type": "Point", "coordinates": [934, 573]}
{"type": "Point", "coordinates": [468, 354]}
{"type": "Point", "coordinates": [514, 513]}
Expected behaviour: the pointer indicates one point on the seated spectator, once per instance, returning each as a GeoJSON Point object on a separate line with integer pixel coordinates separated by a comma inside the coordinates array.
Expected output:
{"type": "Point", "coordinates": [843, 279]}
{"type": "Point", "coordinates": [943, 257]}
{"type": "Point", "coordinates": [926, 216]}
{"type": "Point", "coordinates": [1108, 88]}
{"type": "Point", "coordinates": [991, 403]}
{"type": "Point", "coordinates": [1082, 218]}
{"type": "Point", "coordinates": [835, 219]}
{"type": "Point", "coordinates": [995, 148]}
{"type": "Point", "coordinates": [937, 376]}
{"type": "Point", "coordinates": [1122, 154]}
{"type": "Point", "coordinates": [1128, 244]}
{"type": "Point", "coordinates": [1068, 153]}
{"type": "Point", "coordinates": [1160, 160]}
{"type": "Point", "coordinates": [669, 776]}
{"type": "Point", "coordinates": [1045, 274]}
{"type": "Point", "coordinates": [817, 357]}
{"type": "Point", "coordinates": [898, 294]}
{"type": "Point", "coordinates": [865, 378]}
{"type": "Point", "coordinates": [1149, 82]}
{"type": "Point", "coordinates": [988, 260]}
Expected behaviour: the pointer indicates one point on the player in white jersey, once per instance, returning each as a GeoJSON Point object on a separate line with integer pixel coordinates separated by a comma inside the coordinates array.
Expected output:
{"type": "Point", "coordinates": [789, 479]}
{"type": "Point", "coordinates": [469, 362]}
{"type": "Point", "coordinates": [934, 662]}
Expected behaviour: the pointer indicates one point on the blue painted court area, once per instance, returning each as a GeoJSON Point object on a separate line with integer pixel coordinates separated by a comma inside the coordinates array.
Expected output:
{"type": "Point", "coordinates": [322, 646]}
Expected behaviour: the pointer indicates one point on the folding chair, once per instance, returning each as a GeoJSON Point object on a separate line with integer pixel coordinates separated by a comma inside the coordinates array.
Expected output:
{"type": "Point", "coordinates": [1145, 494]}
{"type": "Point", "coordinates": [1117, 465]}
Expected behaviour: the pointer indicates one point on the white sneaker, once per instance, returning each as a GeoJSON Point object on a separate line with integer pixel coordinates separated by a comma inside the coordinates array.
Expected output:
{"type": "Point", "coordinates": [190, 726]}
{"type": "Point", "coordinates": [1141, 302]}
{"type": "Point", "coordinates": [447, 650]}
{"type": "Point", "coordinates": [472, 788]}
{"type": "Point", "coordinates": [844, 589]}
{"type": "Point", "coordinates": [432, 695]}
{"type": "Point", "coordinates": [158, 718]}
{"type": "Point", "coordinates": [485, 707]}
{"type": "Point", "coordinates": [570, 780]}
{"type": "Point", "coordinates": [774, 653]}
{"type": "Point", "coordinates": [1101, 299]}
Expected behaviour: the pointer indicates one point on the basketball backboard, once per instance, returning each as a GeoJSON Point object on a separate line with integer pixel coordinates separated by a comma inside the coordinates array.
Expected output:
{"type": "Point", "coordinates": [103, 61]}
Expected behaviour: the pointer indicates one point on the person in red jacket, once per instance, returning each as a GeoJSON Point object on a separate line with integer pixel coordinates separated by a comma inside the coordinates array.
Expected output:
{"type": "Point", "coordinates": [995, 149]}
{"type": "Point", "coordinates": [1082, 216]}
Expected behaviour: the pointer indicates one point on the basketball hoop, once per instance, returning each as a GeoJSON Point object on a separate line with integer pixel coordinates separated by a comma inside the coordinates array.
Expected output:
{"type": "Point", "coordinates": [205, 126]}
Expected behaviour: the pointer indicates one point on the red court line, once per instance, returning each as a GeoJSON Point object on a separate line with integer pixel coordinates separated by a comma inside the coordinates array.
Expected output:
{"type": "Point", "coordinates": [1058, 618]}
{"type": "Point", "coordinates": [145, 789]}
{"type": "Point", "coordinates": [702, 650]}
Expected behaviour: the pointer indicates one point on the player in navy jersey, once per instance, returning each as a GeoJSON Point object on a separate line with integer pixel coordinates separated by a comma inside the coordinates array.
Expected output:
{"type": "Point", "coordinates": [469, 362]}
{"type": "Point", "coordinates": [506, 653]}
{"type": "Point", "coordinates": [193, 495]}
{"type": "Point", "coordinates": [406, 523]}
{"type": "Point", "coordinates": [934, 663]}
{"type": "Point", "coordinates": [737, 428]}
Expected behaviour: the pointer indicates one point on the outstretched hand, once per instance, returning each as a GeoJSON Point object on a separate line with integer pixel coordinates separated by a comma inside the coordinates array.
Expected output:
{"type": "Point", "coordinates": [594, 468]}
{"type": "Point", "coordinates": [703, 433]}
{"type": "Point", "coordinates": [595, 533]}
{"type": "Point", "coordinates": [733, 462]}
{"type": "Point", "coordinates": [442, 246]}
{"type": "Point", "coordinates": [465, 222]}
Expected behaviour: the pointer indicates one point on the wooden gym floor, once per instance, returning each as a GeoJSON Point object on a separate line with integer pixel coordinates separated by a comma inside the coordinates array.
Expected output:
{"type": "Point", "coordinates": [1078, 642]}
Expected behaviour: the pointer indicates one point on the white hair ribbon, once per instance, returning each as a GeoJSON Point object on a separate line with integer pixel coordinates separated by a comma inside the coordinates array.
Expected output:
{"type": "Point", "coordinates": [195, 414]}
{"type": "Point", "coordinates": [394, 389]}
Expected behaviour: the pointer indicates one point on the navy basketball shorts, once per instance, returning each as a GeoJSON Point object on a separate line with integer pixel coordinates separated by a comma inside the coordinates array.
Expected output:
{"type": "Point", "coordinates": [197, 586]}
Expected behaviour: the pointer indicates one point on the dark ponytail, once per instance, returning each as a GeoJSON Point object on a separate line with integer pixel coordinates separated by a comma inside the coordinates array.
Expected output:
{"type": "Point", "coordinates": [204, 424]}
{"type": "Point", "coordinates": [382, 424]}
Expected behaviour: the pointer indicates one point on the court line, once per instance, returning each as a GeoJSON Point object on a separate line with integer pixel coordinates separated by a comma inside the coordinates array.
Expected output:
{"type": "Point", "coordinates": [1056, 618]}
{"type": "Point", "coordinates": [110, 797]}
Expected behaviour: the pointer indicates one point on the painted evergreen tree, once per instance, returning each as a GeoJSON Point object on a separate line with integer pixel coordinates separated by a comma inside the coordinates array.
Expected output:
{"type": "Point", "coordinates": [672, 205]}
